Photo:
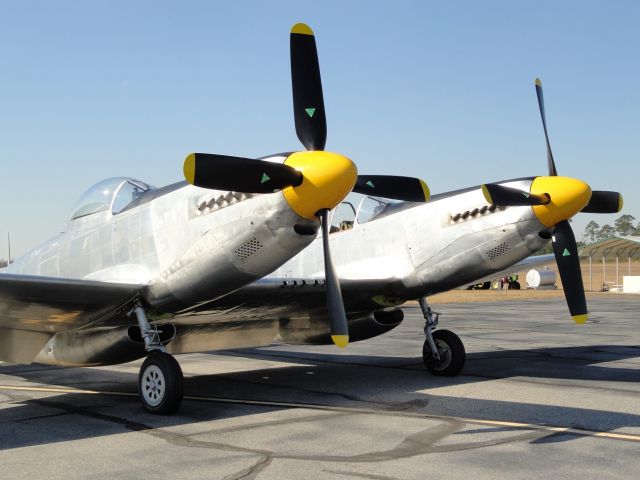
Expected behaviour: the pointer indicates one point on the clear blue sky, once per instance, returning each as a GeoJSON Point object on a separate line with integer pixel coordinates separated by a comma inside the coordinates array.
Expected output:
{"type": "Point", "coordinates": [440, 90]}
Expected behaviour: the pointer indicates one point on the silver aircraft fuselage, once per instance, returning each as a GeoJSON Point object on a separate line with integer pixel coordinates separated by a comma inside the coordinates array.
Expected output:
{"type": "Point", "coordinates": [186, 244]}
{"type": "Point", "coordinates": [448, 242]}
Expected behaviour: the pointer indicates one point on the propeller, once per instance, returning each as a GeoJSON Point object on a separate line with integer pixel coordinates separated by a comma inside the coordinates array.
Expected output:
{"type": "Point", "coordinates": [311, 122]}
{"type": "Point", "coordinates": [604, 202]}
{"type": "Point", "coordinates": [409, 189]}
{"type": "Point", "coordinates": [550, 163]}
{"type": "Point", "coordinates": [313, 181]}
{"type": "Point", "coordinates": [512, 197]}
{"type": "Point", "coordinates": [308, 101]}
{"type": "Point", "coordinates": [337, 316]}
{"type": "Point", "coordinates": [566, 252]}
{"type": "Point", "coordinates": [222, 172]}
{"type": "Point", "coordinates": [554, 200]}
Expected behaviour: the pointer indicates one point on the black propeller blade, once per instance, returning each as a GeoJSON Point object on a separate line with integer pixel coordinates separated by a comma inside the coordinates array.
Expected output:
{"type": "Point", "coordinates": [337, 316]}
{"type": "Point", "coordinates": [222, 172]}
{"type": "Point", "coordinates": [550, 163]}
{"type": "Point", "coordinates": [511, 197]}
{"type": "Point", "coordinates": [311, 128]}
{"type": "Point", "coordinates": [390, 186]}
{"type": "Point", "coordinates": [564, 242]}
{"type": "Point", "coordinates": [308, 102]}
{"type": "Point", "coordinates": [603, 202]}
{"type": "Point", "coordinates": [566, 253]}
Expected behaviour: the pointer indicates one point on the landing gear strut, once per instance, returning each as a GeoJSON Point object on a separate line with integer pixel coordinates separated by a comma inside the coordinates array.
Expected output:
{"type": "Point", "coordinates": [160, 382]}
{"type": "Point", "coordinates": [443, 352]}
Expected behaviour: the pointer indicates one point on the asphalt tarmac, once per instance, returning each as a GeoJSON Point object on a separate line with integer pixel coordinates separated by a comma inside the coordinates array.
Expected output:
{"type": "Point", "coordinates": [539, 397]}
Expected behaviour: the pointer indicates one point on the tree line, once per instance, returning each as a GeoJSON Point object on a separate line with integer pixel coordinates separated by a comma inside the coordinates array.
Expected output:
{"type": "Point", "coordinates": [622, 226]}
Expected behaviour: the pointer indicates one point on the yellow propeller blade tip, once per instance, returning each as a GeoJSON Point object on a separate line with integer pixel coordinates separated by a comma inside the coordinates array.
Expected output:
{"type": "Point", "coordinates": [487, 195]}
{"type": "Point", "coordinates": [538, 82]}
{"type": "Point", "coordinates": [620, 202]}
{"type": "Point", "coordinates": [340, 340]}
{"type": "Point", "coordinates": [189, 168]}
{"type": "Point", "coordinates": [580, 319]}
{"type": "Point", "coordinates": [302, 28]}
{"type": "Point", "coordinates": [425, 190]}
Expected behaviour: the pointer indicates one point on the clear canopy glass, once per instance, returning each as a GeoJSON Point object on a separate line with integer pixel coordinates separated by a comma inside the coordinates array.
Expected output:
{"type": "Point", "coordinates": [111, 194]}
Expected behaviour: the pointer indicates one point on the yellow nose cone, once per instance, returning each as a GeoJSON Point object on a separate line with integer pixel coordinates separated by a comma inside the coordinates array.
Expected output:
{"type": "Point", "coordinates": [328, 178]}
{"type": "Point", "coordinates": [568, 197]}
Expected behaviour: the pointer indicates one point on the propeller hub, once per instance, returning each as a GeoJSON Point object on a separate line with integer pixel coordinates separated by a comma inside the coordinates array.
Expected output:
{"type": "Point", "coordinates": [327, 178]}
{"type": "Point", "coordinates": [568, 197]}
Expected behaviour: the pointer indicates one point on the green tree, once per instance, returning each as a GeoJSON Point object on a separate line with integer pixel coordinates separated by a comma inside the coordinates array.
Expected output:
{"type": "Point", "coordinates": [591, 231]}
{"type": "Point", "coordinates": [607, 231]}
{"type": "Point", "coordinates": [624, 224]}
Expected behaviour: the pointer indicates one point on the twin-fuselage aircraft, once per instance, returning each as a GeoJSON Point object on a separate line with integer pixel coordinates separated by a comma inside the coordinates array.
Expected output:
{"type": "Point", "coordinates": [234, 260]}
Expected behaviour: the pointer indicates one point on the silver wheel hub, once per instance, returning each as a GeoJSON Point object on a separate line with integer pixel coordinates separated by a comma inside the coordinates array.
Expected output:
{"type": "Point", "coordinates": [445, 355]}
{"type": "Point", "coordinates": [153, 385]}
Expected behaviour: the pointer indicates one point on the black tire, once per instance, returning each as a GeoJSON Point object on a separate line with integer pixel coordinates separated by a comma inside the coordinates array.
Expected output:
{"type": "Point", "coordinates": [514, 286]}
{"type": "Point", "coordinates": [452, 354]}
{"type": "Point", "coordinates": [161, 384]}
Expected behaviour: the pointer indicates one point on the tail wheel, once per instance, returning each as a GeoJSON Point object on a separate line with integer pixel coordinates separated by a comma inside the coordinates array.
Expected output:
{"type": "Point", "coordinates": [451, 352]}
{"type": "Point", "coordinates": [161, 383]}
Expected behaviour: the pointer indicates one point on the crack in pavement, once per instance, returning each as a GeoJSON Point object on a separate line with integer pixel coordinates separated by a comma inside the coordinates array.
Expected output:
{"type": "Point", "coordinates": [252, 471]}
{"type": "Point", "coordinates": [419, 443]}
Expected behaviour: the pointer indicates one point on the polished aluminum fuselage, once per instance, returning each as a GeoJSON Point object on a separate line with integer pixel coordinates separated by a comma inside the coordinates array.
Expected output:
{"type": "Point", "coordinates": [186, 246]}
{"type": "Point", "coordinates": [447, 242]}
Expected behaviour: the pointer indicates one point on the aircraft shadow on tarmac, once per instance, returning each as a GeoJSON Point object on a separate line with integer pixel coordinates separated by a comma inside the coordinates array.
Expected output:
{"type": "Point", "coordinates": [385, 383]}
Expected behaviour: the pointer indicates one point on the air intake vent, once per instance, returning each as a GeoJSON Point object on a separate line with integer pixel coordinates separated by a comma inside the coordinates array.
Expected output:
{"type": "Point", "coordinates": [497, 251]}
{"type": "Point", "coordinates": [248, 249]}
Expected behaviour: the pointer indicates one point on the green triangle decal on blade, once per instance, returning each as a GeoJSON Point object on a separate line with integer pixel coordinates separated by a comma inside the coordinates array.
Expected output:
{"type": "Point", "coordinates": [566, 253]}
{"type": "Point", "coordinates": [370, 183]}
{"type": "Point", "coordinates": [310, 111]}
{"type": "Point", "coordinates": [526, 195]}
{"type": "Point", "coordinates": [265, 178]}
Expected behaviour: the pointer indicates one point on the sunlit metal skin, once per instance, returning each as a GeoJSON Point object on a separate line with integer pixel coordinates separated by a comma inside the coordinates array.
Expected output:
{"type": "Point", "coordinates": [454, 240]}
{"type": "Point", "coordinates": [176, 249]}
{"type": "Point", "coordinates": [425, 249]}
{"type": "Point", "coordinates": [181, 252]}
{"type": "Point", "coordinates": [407, 251]}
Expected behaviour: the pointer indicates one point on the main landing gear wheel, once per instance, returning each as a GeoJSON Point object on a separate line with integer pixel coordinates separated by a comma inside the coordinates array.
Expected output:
{"type": "Point", "coordinates": [160, 383]}
{"type": "Point", "coordinates": [451, 354]}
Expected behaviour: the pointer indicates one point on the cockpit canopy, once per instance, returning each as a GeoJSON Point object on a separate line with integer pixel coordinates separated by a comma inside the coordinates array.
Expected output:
{"type": "Point", "coordinates": [113, 194]}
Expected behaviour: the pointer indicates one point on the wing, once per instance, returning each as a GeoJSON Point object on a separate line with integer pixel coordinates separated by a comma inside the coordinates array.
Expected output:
{"type": "Point", "coordinates": [293, 310]}
{"type": "Point", "coordinates": [33, 308]}
{"type": "Point", "coordinates": [270, 298]}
